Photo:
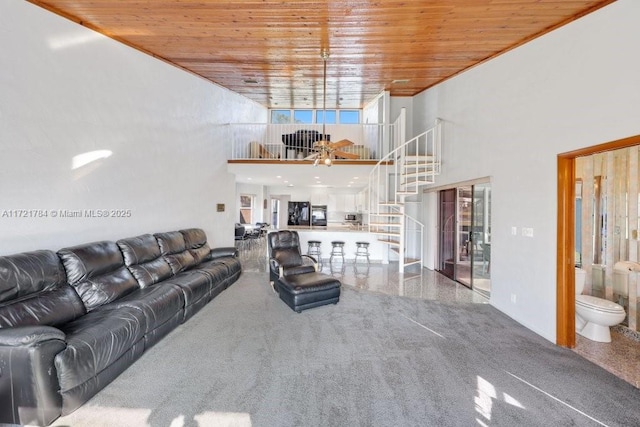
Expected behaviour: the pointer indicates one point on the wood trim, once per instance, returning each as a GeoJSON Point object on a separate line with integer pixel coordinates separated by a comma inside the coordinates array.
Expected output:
{"type": "Point", "coordinates": [607, 146]}
{"type": "Point", "coordinates": [565, 277]}
{"type": "Point", "coordinates": [307, 162]}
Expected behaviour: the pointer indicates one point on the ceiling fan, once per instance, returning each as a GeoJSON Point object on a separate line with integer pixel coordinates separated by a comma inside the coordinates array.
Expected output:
{"type": "Point", "coordinates": [327, 151]}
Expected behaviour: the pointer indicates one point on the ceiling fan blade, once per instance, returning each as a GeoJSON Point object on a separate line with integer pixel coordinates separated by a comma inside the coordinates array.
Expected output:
{"type": "Point", "coordinates": [340, 144]}
{"type": "Point", "coordinates": [312, 156]}
{"type": "Point", "coordinates": [344, 154]}
{"type": "Point", "coordinates": [321, 143]}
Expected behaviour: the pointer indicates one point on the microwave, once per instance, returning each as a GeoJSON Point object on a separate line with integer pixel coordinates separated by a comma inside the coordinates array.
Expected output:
{"type": "Point", "coordinates": [351, 217]}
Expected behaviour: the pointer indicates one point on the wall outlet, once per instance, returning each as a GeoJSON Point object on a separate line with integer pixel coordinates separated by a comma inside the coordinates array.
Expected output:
{"type": "Point", "coordinates": [527, 232]}
{"type": "Point", "coordinates": [513, 298]}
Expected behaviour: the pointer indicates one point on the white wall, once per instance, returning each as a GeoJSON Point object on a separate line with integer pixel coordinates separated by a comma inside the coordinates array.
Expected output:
{"type": "Point", "coordinates": [509, 118]}
{"type": "Point", "coordinates": [67, 90]}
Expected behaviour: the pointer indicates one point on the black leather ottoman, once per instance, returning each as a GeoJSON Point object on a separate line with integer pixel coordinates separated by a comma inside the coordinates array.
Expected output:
{"type": "Point", "coordinates": [303, 291]}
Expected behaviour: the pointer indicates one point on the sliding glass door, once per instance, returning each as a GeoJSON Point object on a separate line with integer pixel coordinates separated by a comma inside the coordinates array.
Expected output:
{"type": "Point", "coordinates": [465, 235]}
{"type": "Point", "coordinates": [481, 239]}
{"type": "Point", "coordinates": [447, 238]}
{"type": "Point", "coordinates": [464, 254]}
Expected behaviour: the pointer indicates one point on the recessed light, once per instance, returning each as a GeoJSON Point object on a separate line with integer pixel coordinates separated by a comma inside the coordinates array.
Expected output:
{"type": "Point", "coordinates": [316, 177]}
{"type": "Point", "coordinates": [278, 176]}
{"type": "Point", "coordinates": [285, 181]}
{"type": "Point", "coordinates": [356, 177]}
{"type": "Point", "coordinates": [249, 179]}
{"type": "Point", "coordinates": [290, 185]}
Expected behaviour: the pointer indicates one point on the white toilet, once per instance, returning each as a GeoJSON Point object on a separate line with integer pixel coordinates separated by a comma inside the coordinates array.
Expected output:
{"type": "Point", "coordinates": [594, 316]}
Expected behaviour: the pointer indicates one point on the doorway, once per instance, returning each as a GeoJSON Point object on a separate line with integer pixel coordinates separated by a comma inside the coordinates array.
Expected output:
{"type": "Point", "coordinates": [464, 244]}
{"type": "Point", "coordinates": [566, 244]}
{"type": "Point", "coordinates": [275, 212]}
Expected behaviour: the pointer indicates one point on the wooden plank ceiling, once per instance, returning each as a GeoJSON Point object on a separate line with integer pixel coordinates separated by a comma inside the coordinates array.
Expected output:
{"type": "Point", "coordinates": [270, 50]}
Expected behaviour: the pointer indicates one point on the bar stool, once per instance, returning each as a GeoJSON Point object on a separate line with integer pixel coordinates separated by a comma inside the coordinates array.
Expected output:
{"type": "Point", "coordinates": [314, 250]}
{"type": "Point", "coordinates": [337, 249]}
{"type": "Point", "coordinates": [362, 250]}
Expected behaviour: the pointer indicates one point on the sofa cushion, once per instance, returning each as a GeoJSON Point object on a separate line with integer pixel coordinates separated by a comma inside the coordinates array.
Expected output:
{"type": "Point", "coordinates": [194, 237]}
{"type": "Point", "coordinates": [28, 273]}
{"type": "Point", "coordinates": [194, 285]}
{"type": "Point", "coordinates": [158, 303]}
{"type": "Point", "coordinates": [195, 240]}
{"type": "Point", "coordinates": [97, 272]}
{"type": "Point", "coordinates": [51, 307]}
{"type": "Point", "coordinates": [201, 254]}
{"type": "Point", "coordinates": [95, 341]}
{"type": "Point", "coordinates": [174, 250]}
{"type": "Point", "coordinates": [230, 265]}
{"type": "Point", "coordinates": [143, 259]}
{"type": "Point", "coordinates": [288, 257]}
{"type": "Point", "coordinates": [34, 291]}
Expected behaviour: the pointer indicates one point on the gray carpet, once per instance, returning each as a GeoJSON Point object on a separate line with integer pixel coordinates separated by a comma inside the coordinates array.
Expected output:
{"type": "Point", "coordinates": [246, 359]}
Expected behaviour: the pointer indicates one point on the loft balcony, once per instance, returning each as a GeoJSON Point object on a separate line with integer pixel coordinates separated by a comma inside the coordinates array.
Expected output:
{"type": "Point", "coordinates": [293, 143]}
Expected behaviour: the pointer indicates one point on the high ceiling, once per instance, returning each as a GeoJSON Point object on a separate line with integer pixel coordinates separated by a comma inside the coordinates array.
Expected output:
{"type": "Point", "coordinates": [270, 50]}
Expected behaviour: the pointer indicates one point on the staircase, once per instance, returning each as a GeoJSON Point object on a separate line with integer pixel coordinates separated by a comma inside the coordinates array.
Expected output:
{"type": "Point", "coordinates": [399, 175]}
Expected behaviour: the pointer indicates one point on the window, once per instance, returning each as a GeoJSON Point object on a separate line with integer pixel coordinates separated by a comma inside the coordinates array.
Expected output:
{"type": "Point", "coordinates": [331, 117]}
{"type": "Point", "coordinates": [349, 117]}
{"type": "Point", "coordinates": [345, 117]}
{"type": "Point", "coordinates": [246, 208]}
{"type": "Point", "coordinates": [303, 116]}
{"type": "Point", "coordinates": [280, 116]}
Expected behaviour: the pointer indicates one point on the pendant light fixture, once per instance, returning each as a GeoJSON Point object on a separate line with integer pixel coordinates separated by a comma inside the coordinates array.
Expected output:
{"type": "Point", "coordinates": [326, 150]}
{"type": "Point", "coordinates": [326, 156]}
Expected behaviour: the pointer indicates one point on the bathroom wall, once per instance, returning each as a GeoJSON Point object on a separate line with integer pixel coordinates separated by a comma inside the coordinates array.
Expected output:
{"type": "Point", "coordinates": [607, 192]}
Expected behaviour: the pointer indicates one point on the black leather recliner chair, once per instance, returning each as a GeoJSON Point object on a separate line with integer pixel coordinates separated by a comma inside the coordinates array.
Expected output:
{"type": "Point", "coordinates": [295, 277]}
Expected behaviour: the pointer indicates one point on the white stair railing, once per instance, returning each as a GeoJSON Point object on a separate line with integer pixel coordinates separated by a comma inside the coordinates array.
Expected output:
{"type": "Point", "coordinates": [399, 174]}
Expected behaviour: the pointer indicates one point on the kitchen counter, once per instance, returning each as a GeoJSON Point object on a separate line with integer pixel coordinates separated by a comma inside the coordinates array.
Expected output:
{"type": "Point", "coordinates": [350, 234]}
{"type": "Point", "coordinates": [330, 228]}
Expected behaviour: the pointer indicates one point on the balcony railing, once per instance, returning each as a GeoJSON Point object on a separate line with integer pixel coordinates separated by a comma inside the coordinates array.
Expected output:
{"type": "Point", "coordinates": [265, 141]}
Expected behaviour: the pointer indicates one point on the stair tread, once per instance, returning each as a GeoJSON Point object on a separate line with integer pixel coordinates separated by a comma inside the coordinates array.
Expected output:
{"type": "Point", "coordinates": [424, 158]}
{"type": "Point", "coordinates": [385, 224]}
{"type": "Point", "coordinates": [417, 175]}
{"type": "Point", "coordinates": [419, 165]}
{"type": "Point", "coordinates": [389, 214]}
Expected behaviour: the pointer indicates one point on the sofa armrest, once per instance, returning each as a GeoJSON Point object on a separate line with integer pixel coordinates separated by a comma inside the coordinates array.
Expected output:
{"type": "Point", "coordinates": [29, 336]}
{"type": "Point", "coordinates": [224, 252]}
{"type": "Point", "coordinates": [314, 262]}
{"type": "Point", "coordinates": [29, 388]}
{"type": "Point", "coordinates": [275, 267]}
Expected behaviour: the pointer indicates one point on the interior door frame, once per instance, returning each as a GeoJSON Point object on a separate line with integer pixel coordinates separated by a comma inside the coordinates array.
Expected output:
{"type": "Point", "coordinates": [565, 247]}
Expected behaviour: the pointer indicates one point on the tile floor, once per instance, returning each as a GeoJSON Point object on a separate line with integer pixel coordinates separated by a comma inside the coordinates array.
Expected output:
{"type": "Point", "coordinates": [621, 357]}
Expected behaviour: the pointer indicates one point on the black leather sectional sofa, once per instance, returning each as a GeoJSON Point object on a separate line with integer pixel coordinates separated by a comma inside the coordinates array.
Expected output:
{"type": "Point", "coordinates": [72, 321]}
